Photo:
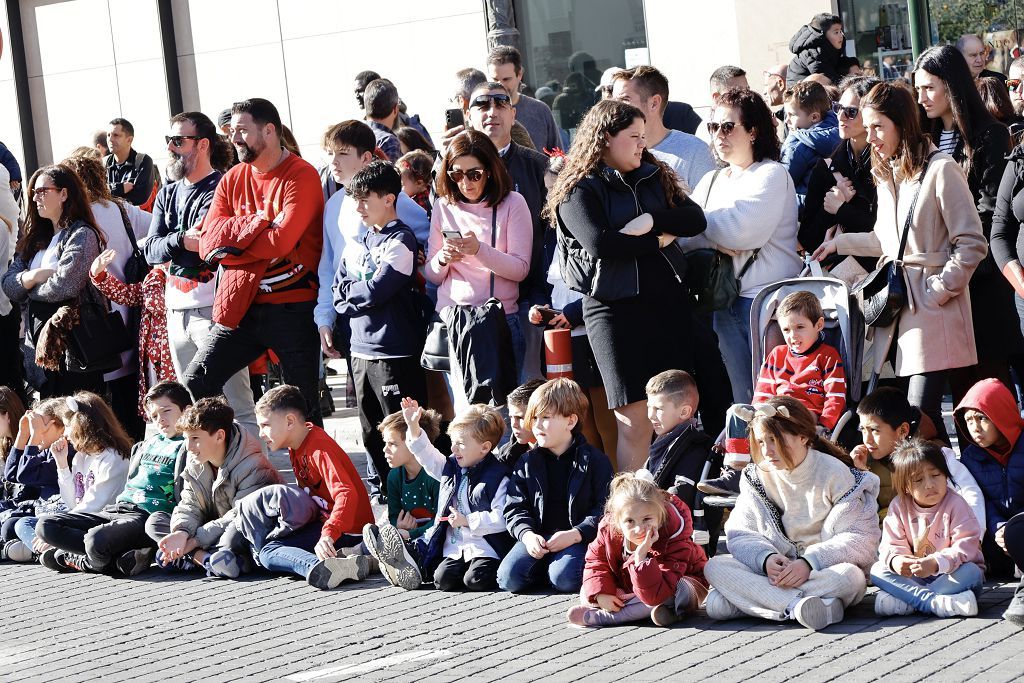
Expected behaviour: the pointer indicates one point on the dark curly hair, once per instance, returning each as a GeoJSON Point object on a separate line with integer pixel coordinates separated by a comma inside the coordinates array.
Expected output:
{"type": "Point", "coordinates": [756, 117]}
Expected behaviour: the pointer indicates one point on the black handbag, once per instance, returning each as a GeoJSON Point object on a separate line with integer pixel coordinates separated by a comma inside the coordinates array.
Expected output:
{"type": "Point", "coordinates": [98, 340]}
{"type": "Point", "coordinates": [136, 268]}
{"type": "Point", "coordinates": [884, 291]}
{"type": "Point", "coordinates": [435, 348]}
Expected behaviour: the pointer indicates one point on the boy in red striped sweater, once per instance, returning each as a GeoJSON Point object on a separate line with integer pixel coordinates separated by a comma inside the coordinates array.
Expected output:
{"type": "Point", "coordinates": [805, 367]}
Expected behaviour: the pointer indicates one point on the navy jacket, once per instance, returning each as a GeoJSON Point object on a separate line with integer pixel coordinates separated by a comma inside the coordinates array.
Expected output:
{"type": "Point", "coordinates": [527, 168]}
{"type": "Point", "coordinates": [34, 472]}
{"type": "Point", "coordinates": [589, 481]}
{"type": "Point", "coordinates": [805, 147]}
{"type": "Point", "coordinates": [681, 452]}
{"type": "Point", "coordinates": [177, 208]}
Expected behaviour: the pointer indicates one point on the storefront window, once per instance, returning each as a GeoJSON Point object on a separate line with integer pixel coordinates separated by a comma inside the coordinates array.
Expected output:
{"type": "Point", "coordinates": [567, 45]}
{"type": "Point", "coordinates": [878, 31]}
{"type": "Point", "coordinates": [996, 21]}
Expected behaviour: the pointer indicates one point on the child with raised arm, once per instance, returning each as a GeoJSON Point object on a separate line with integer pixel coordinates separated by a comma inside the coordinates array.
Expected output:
{"type": "Point", "coordinates": [412, 492]}
{"type": "Point", "coordinates": [469, 538]}
{"type": "Point", "coordinates": [643, 561]}
{"type": "Point", "coordinates": [930, 559]}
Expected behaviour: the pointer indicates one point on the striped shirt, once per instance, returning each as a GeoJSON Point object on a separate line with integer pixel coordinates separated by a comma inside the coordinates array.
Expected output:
{"type": "Point", "coordinates": [948, 140]}
{"type": "Point", "coordinates": [816, 378]}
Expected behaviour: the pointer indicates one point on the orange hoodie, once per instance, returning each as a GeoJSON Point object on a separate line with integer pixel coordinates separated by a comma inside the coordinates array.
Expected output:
{"type": "Point", "coordinates": [990, 396]}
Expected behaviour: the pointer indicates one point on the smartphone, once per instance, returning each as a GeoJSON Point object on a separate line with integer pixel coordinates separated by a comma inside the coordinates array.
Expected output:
{"type": "Point", "coordinates": [452, 234]}
{"type": "Point", "coordinates": [547, 314]}
{"type": "Point", "coordinates": [453, 118]}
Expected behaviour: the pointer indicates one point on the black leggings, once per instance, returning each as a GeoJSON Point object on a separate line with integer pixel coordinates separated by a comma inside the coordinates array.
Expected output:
{"type": "Point", "coordinates": [998, 562]}
{"type": "Point", "coordinates": [480, 574]}
{"type": "Point", "coordinates": [925, 391]}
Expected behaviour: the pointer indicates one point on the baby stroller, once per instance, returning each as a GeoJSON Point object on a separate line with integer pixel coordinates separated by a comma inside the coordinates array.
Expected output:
{"type": "Point", "coordinates": [844, 330]}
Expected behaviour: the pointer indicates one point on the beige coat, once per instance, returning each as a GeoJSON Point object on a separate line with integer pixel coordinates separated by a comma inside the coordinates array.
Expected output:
{"type": "Point", "coordinates": [944, 247]}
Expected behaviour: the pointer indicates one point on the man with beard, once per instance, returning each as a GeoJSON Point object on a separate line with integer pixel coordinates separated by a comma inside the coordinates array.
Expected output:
{"type": "Point", "coordinates": [264, 228]}
{"type": "Point", "coordinates": [178, 212]}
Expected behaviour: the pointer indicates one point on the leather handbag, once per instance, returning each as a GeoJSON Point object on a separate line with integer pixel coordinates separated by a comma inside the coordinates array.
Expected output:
{"type": "Point", "coordinates": [98, 340]}
{"type": "Point", "coordinates": [435, 348]}
{"type": "Point", "coordinates": [884, 291]}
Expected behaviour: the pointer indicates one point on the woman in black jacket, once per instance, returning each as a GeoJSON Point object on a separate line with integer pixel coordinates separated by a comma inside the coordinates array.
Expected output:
{"type": "Point", "coordinates": [841, 191]}
{"type": "Point", "coordinates": [959, 123]}
{"type": "Point", "coordinates": [619, 211]}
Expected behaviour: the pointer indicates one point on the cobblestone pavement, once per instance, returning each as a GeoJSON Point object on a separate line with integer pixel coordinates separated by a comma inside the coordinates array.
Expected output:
{"type": "Point", "coordinates": [157, 627]}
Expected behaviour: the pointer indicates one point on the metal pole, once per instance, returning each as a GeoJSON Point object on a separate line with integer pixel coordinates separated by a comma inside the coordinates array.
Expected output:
{"type": "Point", "coordinates": [920, 31]}
{"type": "Point", "coordinates": [16, 39]}
{"type": "Point", "coordinates": [175, 102]}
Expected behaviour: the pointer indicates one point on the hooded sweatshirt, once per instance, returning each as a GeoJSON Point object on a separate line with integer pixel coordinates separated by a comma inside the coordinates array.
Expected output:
{"type": "Point", "coordinates": [813, 55]}
{"type": "Point", "coordinates": [998, 471]}
{"type": "Point", "coordinates": [805, 147]}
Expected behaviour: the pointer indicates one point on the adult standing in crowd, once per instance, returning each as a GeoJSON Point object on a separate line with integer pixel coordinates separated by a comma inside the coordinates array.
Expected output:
{"type": "Point", "coordinates": [751, 213]}
{"type": "Point", "coordinates": [1015, 85]}
{"type": "Point", "coordinates": [619, 210]}
{"type": "Point", "coordinates": [933, 333]}
{"type": "Point", "coordinates": [958, 121]}
{"type": "Point", "coordinates": [12, 372]}
{"type": "Point", "coordinates": [51, 265]}
{"type": "Point", "coordinates": [976, 55]}
{"type": "Point", "coordinates": [505, 66]}
{"type": "Point", "coordinates": [196, 152]}
{"type": "Point", "coordinates": [264, 228]}
{"type": "Point", "coordinates": [130, 173]}
{"type": "Point", "coordinates": [476, 200]}
{"type": "Point", "coordinates": [381, 100]}
{"type": "Point", "coordinates": [466, 81]}
{"type": "Point", "coordinates": [817, 48]}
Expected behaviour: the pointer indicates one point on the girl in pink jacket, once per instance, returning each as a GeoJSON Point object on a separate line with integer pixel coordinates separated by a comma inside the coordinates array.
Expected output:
{"type": "Point", "coordinates": [930, 559]}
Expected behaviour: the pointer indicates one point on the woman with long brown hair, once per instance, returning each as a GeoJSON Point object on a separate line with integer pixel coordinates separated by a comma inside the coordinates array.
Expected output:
{"type": "Point", "coordinates": [619, 211]}
{"type": "Point", "coordinates": [945, 243]}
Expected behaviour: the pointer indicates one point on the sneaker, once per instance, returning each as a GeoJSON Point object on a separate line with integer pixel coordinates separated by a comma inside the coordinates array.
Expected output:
{"type": "Point", "coordinates": [374, 545]}
{"type": "Point", "coordinates": [333, 571]}
{"type": "Point", "coordinates": [958, 605]}
{"type": "Point", "coordinates": [887, 605]}
{"type": "Point", "coordinates": [182, 564]}
{"type": "Point", "coordinates": [48, 558]}
{"type": "Point", "coordinates": [16, 551]}
{"type": "Point", "coordinates": [223, 564]}
{"type": "Point", "coordinates": [726, 485]}
{"type": "Point", "coordinates": [582, 616]}
{"type": "Point", "coordinates": [72, 561]}
{"type": "Point", "coordinates": [1015, 612]}
{"type": "Point", "coordinates": [134, 562]}
{"type": "Point", "coordinates": [816, 613]}
{"type": "Point", "coordinates": [665, 614]}
{"type": "Point", "coordinates": [717, 607]}
{"type": "Point", "coordinates": [396, 558]}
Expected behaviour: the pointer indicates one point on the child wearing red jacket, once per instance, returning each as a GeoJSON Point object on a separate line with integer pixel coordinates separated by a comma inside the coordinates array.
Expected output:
{"type": "Point", "coordinates": [643, 562]}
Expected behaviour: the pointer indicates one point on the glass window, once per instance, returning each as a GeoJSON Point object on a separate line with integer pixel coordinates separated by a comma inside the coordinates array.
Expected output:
{"type": "Point", "coordinates": [994, 21]}
{"type": "Point", "coordinates": [880, 33]}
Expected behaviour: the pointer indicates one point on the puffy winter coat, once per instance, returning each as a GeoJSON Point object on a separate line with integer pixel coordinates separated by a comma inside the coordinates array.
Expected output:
{"type": "Point", "coordinates": [813, 55]}
{"type": "Point", "coordinates": [805, 147]}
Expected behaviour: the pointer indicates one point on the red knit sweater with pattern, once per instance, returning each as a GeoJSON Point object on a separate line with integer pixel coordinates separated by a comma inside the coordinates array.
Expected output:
{"type": "Point", "coordinates": [816, 378]}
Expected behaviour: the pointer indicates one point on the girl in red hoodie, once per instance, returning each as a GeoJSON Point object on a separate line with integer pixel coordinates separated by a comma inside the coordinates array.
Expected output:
{"type": "Point", "coordinates": [643, 562]}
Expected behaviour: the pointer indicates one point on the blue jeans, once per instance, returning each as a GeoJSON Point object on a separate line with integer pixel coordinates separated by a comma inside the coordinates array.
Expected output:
{"type": "Point", "coordinates": [918, 593]}
{"type": "Point", "coordinates": [25, 529]}
{"type": "Point", "coordinates": [293, 554]}
{"type": "Point", "coordinates": [732, 325]}
{"type": "Point", "coordinates": [519, 571]}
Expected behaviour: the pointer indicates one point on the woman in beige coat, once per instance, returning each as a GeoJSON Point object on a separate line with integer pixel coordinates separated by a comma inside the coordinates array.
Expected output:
{"type": "Point", "coordinates": [934, 332]}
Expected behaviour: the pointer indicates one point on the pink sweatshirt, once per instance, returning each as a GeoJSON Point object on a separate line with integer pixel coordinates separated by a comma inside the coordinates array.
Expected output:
{"type": "Point", "coordinates": [949, 532]}
{"type": "Point", "coordinates": [467, 282]}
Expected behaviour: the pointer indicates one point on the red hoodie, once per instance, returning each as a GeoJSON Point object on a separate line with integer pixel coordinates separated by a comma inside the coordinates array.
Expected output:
{"type": "Point", "coordinates": [990, 396]}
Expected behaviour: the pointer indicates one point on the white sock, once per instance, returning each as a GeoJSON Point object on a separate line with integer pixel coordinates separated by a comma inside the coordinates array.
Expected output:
{"type": "Point", "coordinates": [792, 606]}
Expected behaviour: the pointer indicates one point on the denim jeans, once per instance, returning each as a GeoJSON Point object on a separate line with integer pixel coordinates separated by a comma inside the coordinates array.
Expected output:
{"type": "Point", "coordinates": [732, 325]}
{"type": "Point", "coordinates": [293, 554]}
{"type": "Point", "coordinates": [25, 530]}
{"type": "Point", "coordinates": [918, 593]}
{"type": "Point", "coordinates": [563, 571]}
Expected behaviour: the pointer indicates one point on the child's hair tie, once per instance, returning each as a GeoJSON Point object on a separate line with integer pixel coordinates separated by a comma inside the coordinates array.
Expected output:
{"type": "Point", "coordinates": [644, 475]}
{"type": "Point", "coordinates": [769, 410]}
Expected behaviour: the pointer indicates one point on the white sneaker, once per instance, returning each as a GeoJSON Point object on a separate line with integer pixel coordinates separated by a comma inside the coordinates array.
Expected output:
{"type": "Point", "coordinates": [817, 613]}
{"type": "Point", "coordinates": [959, 605]}
{"type": "Point", "coordinates": [17, 551]}
{"type": "Point", "coordinates": [887, 605]}
{"type": "Point", "coordinates": [720, 609]}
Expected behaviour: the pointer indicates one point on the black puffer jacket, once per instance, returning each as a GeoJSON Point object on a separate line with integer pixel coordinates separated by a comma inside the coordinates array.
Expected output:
{"type": "Point", "coordinates": [1007, 239]}
{"type": "Point", "coordinates": [813, 55]}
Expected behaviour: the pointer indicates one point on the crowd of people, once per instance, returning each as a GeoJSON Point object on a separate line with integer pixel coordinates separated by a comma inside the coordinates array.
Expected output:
{"type": "Point", "coordinates": [443, 278]}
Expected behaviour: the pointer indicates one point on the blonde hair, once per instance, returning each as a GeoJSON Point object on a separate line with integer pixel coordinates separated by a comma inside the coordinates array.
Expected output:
{"type": "Point", "coordinates": [430, 423]}
{"type": "Point", "coordinates": [481, 422]}
{"type": "Point", "coordinates": [628, 489]}
{"type": "Point", "coordinates": [560, 396]}
{"type": "Point", "coordinates": [782, 415]}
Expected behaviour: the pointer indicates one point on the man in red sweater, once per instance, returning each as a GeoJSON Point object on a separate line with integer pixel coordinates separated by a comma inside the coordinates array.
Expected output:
{"type": "Point", "coordinates": [323, 470]}
{"type": "Point", "coordinates": [265, 230]}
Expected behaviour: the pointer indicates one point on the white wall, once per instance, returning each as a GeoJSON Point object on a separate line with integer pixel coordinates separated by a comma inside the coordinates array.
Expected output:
{"type": "Point", "coordinates": [10, 126]}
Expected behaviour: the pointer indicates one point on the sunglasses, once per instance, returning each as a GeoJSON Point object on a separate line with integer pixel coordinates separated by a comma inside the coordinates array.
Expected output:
{"type": "Point", "coordinates": [1012, 83]}
{"type": "Point", "coordinates": [41, 191]}
{"type": "Point", "coordinates": [487, 101]}
{"type": "Point", "coordinates": [725, 126]}
{"type": "Point", "coordinates": [473, 175]}
{"type": "Point", "coordinates": [849, 112]}
{"type": "Point", "coordinates": [179, 140]}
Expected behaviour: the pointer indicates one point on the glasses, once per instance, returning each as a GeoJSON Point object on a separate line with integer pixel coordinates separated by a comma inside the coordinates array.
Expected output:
{"type": "Point", "coordinates": [487, 101]}
{"type": "Point", "coordinates": [473, 175]}
{"type": "Point", "coordinates": [179, 140]}
{"type": "Point", "coordinates": [39, 192]}
{"type": "Point", "coordinates": [1013, 83]}
{"type": "Point", "coordinates": [725, 126]}
{"type": "Point", "coordinates": [848, 112]}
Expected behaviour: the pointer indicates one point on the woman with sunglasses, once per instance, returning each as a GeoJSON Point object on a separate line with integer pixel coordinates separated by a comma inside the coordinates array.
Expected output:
{"type": "Point", "coordinates": [959, 123]}
{"type": "Point", "coordinates": [51, 263]}
{"type": "Point", "coordinates": [463, 256]}
{"type": "Point", "coordinates": [618, 211]}
{"type": "Point", "coordinates": [841, 191]}
{"type": "Point", "coordinates": [944, 245]}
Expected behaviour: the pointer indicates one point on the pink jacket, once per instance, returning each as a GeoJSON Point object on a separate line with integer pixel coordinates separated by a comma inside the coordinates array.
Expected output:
{"type": "Point", "coordinates": [949, 532]}
{"type": "Point", "coordinates": [468, 282]}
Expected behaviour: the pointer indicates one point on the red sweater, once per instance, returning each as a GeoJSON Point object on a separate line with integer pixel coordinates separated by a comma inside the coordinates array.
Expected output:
{"type": "Point", "coordinates": [266, 230]}
{"type": "Point", "coordinates": [654, 580]}
{"type": "Point", "coordinates": [325, 471]}
{"type": "Point", "coordinates": [816, 378]}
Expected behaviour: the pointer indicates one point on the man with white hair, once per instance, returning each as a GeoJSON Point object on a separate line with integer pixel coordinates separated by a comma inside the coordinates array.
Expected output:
{"type": "Point", "coordinates": [973, 50]}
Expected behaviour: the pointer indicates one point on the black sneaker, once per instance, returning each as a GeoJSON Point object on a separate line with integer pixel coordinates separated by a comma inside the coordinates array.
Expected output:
{"type": "Point", "coordinates": [134, 562]}
{"type": "Point", "coordinates": [726, 485]}
{"type": "Point", "coordinates": [48, 558]}
{"type": "Point", "coordinates": [1015, 612]}
{"type": "Point", "coordinates": [73, 561]}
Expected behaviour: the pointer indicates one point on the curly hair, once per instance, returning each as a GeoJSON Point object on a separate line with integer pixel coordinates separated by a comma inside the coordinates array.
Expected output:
{"type": "Point", "coordinates": [606, 118]}
{"type": "Point", "coordinates": [757, 117]}
{"type": "Point", "coordinates": [92, 427]}
{"type": "Point", "coordinates": [90, 170]}
{"type": "Point", "coordinates": [628, 489]}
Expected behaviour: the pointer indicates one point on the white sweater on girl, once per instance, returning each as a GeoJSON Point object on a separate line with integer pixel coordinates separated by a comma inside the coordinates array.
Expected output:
{"type": "Point", "coordinates": [93, 481]}
{"type": "Point", "coordinates": [751, 209]}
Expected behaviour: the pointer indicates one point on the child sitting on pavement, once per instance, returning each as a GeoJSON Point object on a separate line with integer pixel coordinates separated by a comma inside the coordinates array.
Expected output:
{"type": "Point", "coordinates": [522, 438]}
{"type": "Point", "coordinates": [804, 367]}
{"type": "Point", "coordinates": [643, 561]}
{"type": "Point", "coordinates": [469, 537]}
{"type": "Point", "coordinates": [412, 492]}
{"type": "Point", "coordinates": [557, 497]}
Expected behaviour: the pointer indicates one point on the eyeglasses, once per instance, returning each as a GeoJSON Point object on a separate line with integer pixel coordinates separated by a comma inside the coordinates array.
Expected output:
{"type": "Point", "coordinates": [39, 192]}
{"type": "Point", "coordinates": [473, 175]}
{"type": "Point", "coordinates": [179, 140]}
{"type": "Point", "coordinates": [487, 101]}
{"type": "Point", "coordinates": [849, 112]}
{"type": "Point", "coordinates": [725, 126]}
{"type": "Point", "coordinates": [1013, 83]}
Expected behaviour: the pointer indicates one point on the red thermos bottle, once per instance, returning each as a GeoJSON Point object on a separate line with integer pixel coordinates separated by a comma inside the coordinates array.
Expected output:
{"type": "Point", "coordinates": [558, 353]}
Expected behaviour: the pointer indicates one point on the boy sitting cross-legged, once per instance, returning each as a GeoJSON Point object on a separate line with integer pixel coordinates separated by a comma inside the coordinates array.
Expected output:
{"type": "Point", "coordinates": [412, 492]}
{"type": "Point", "coordinates": [225, 464]}
{"type": "Point", "coordinates": [115, 537]}
{"type": "Point", "coordinates": [299, 530]}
